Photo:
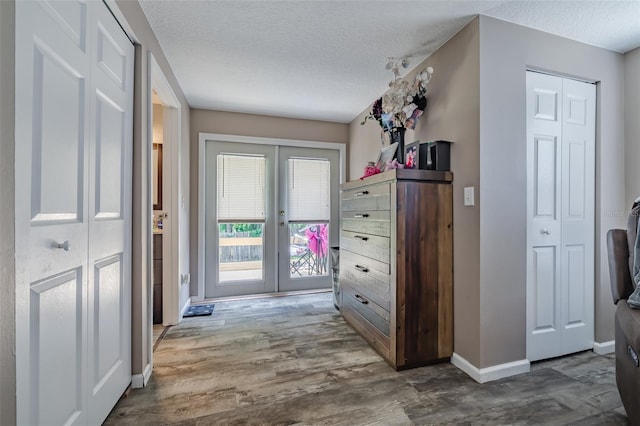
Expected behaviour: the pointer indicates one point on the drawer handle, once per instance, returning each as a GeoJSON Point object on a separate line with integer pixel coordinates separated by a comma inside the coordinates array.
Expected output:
{"type": "Point", "coordinates": [361, 299]}
{"type": "Point", "coordinates": [360, 237]}
{"type": "Point", "coordinates": [362, 269]}
{"type": "Point", "coordinates": [361, 215]}
{"type": "Point", "coordinates": [361, 193]}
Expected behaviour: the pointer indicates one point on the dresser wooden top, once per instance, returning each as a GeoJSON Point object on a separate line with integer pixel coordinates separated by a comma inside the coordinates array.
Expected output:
{"type": "Point", "coordinates": [403, 175]}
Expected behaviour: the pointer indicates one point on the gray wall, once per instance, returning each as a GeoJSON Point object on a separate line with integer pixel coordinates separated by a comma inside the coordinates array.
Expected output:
{"type": "Point", "coordinates": [7, 215]}
{"type": "Point", "coordinates": [632, 124]}
{"type": "Point", "coordinates": [477, 99]}
{"type": "Point", "coordinates": [147, 42]}
{"type": "Point", "coordinates": [230, 123]}
{"type": "Point", "coordinates": [506, 50]}
{"type": "Point", "coordinates": [452, 114]}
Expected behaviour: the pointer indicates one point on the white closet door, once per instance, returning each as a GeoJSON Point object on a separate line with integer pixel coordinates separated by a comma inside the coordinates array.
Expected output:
{"type": "Point", "coordinates": [109, 273]}
{"type": "Point", "coordinates": [544, 137]}
{"type": "Point", "coordinates": [56, 138]}
{"type": "Point", "coordinates": [578, 205]}
{"type": "Point", "coordinates": [560, 221]}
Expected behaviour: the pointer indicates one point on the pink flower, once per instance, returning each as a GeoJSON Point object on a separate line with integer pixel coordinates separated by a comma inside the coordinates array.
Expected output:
{"type": "Point", "coordinates": [317, 236]}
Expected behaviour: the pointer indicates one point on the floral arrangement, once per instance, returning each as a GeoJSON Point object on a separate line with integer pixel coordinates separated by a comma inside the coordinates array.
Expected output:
{"type": "Point", "coordinates": [404, 102]}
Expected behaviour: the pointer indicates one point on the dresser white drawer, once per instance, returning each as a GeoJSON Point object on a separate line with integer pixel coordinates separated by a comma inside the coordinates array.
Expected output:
{"type": "Point", "coordinates": [376, 197]}
{"type": "Point", "coordinates": [367, 221]}
{"type": "Point", "coordinates": [368, 245]}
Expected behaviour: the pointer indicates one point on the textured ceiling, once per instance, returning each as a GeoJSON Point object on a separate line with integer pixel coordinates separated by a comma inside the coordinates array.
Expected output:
{"type": "Point", "coordinates": [325, 59]}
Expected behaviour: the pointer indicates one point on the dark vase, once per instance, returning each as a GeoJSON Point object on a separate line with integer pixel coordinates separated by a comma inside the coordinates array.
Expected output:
{"type": "Point", "coordinates": [396, 134]}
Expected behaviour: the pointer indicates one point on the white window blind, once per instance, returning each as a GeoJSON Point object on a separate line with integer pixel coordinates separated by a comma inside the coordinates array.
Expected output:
{"type": "Point", "coordinates": [241, 191]}
{"type": "Point", "coordinates": [309, 189]}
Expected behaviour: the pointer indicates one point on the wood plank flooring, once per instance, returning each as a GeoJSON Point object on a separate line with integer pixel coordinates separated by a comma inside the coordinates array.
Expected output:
{"type": "Point", "coordinates": [293, 360]}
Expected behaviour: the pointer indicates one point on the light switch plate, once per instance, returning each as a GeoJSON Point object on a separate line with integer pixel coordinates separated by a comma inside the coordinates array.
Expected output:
{"type": "Point", "coordinates": [469, 196]}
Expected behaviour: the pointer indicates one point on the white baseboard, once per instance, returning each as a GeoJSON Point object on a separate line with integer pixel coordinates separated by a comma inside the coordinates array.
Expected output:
{"type": "Point", "coordinates": [604, 347]}
{"type": "Point", "coordinates": [495, 372]}
{"type": "Point", "coordinates": [140, 380]}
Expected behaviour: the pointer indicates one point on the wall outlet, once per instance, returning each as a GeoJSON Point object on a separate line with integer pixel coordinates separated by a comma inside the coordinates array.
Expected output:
{"type": "Point", "coordinates": [469, 196]}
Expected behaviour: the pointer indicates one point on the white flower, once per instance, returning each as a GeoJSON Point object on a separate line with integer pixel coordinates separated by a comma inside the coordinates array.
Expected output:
{"type": "Point", "coordinates": [408, 109]}
{"type": "Point", "coordinates": [402, 98]}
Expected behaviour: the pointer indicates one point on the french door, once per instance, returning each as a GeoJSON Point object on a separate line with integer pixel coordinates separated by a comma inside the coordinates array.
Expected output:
{"type": "Point", "coordinates": [271, 216]}
{"type": "Point", "coordinates": [307, 217]}
{"type": "Point", "coordinates": [240, 219]}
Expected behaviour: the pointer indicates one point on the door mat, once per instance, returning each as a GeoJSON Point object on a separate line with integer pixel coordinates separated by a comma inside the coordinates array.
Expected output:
{"type": "Point", "coordinates": [198, 310]}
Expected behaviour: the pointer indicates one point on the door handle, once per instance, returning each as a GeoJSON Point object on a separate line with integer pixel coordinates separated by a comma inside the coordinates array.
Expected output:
{"type": "Point", "coordinates": [545, 232]}
{"type": "Point", "coordinates": [281, 212]}
{"type": "Point", "coordinates": [361, 299]}
{"type": "Point", "coordinates": [360, 237]}
{"type": "Point", "coordinates": [362, 269]}
{"type": "Point", "coordinates": [360, 215]}
{"type": "Point", "coordinates": [66, 246]}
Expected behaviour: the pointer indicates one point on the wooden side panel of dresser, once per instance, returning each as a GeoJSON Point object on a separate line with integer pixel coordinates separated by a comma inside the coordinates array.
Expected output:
{"type": "Point", "coordinates": [424, 273]}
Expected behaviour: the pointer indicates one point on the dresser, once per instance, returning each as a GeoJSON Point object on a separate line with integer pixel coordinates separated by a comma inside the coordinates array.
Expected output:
{"type": "Point", "coordinates": [396, 264]}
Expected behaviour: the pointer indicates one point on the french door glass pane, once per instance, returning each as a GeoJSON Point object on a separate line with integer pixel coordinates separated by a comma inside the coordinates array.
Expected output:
{"type": "Point", "coordinates": [308, 249]}
{"type": "Point", "coordinates": [309, 189]}
{"type": "Point", "coordinates": [241, 187]}
{"type": "Point", "coordinates": [241, 252]}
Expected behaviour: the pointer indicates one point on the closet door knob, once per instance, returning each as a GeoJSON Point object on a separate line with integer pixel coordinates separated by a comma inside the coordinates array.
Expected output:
{"type": "Point", "coordinates": [66, 246]}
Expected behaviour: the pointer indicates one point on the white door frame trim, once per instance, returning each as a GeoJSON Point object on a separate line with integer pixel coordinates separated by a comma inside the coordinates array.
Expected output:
{"type": "Point", "coordinates": [170, 163]}
{"type": "Point", "coordinates": [156, 80]}
{"type": "Point", "coordinates": [216, 137]}
{"type": "Point", "coordinates": [119, 16]}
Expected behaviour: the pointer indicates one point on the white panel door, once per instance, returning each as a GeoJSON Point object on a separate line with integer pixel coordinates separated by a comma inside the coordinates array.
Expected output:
{"type": "Point", "coordinates": [544, 136]}
{"type": "Point", "coordinates": [560, 222]}
{"type": "Point", "coordinates": [56, 139]}
{"type": "Point", "coordinates": [52, 107]}
{"type": "Point", "coordinates": [109, 218]}
{"type": "Point", "coordinates": [578, 211]}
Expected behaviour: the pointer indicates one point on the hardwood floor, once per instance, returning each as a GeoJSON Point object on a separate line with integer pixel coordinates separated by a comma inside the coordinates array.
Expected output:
{"type": "Point", "coordinates": [291, 360]}
{"type": "Point", "coordinates": [158, 334]}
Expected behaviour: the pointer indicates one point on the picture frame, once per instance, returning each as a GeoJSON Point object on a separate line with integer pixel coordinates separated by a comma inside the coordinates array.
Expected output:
{"type": "Point", "coordinates": [411, 155]}
{"type": "Point", "coordinates": [386, 154]}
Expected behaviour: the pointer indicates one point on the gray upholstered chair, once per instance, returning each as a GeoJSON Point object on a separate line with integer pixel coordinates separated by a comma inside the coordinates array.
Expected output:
{"type": "Point", "coordinates": [620, 244]}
